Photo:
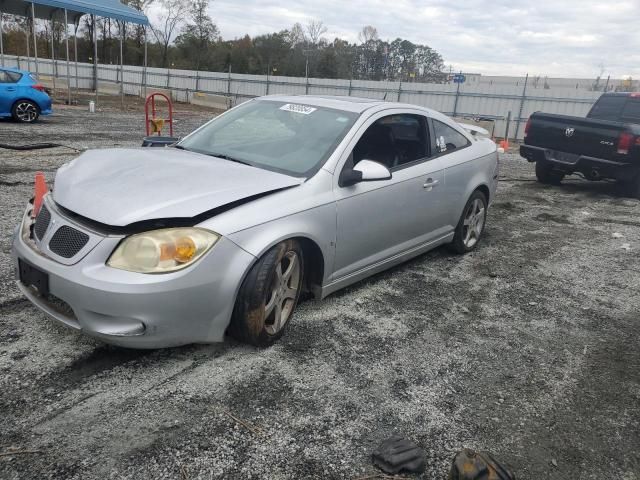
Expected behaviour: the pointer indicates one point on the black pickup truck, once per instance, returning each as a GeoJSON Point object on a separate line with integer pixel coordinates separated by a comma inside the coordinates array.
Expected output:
{"type": "Point", "coordinates": [604, 145]}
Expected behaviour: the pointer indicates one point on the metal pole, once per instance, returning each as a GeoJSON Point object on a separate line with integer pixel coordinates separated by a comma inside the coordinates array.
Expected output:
{"type": "Point", "coordinates": [35, 41]}
{"type": "Point", "coordinates": [506, 128]}
{"type": "Point", "coordinates": [306, 76]}
{"type": "Point", "coordinates": [455, 105]}
{"type": "Point", "coordinates": [53, 56]}
{"type": "Point", "coordinates": [1, 42]}
{"type": "Point", "coordinates": [95, 55]}
{"type": "Point", "coordinates": [28, 49]}
{"type": "Point", "coordinates": [268, 67]}
{"type": "Point", "coordinates": [350, 85]}
{"type": "Point", "coordinates": [399, 90]}
{"type": "Point", "coordinates": [524, 97]}
{"type": "Point", "coordinates": [66, 35]}
{"type": "Point", "coordinates": [606, 87]}
{"type": "Point", "coordinates": [122, 66]}
{"type": "Point", "coordinates": [146, 58]}
{"type": "Point", "coordinates": [76, 25]}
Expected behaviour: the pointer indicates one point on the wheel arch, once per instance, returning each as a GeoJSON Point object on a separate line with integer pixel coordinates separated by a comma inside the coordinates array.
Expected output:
{"type": "Point", "coordinates": [485, 191]}
{"type": "Point", "coordinates": [313, 257]}
{"type": "Point", "coordinates": [25, 99]}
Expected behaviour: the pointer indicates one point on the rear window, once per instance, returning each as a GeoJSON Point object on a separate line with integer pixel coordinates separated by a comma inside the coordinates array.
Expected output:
{"type": "Point", "coordinates": [609, 107]}
{"type": "Point", "coordinates": [631, 112]}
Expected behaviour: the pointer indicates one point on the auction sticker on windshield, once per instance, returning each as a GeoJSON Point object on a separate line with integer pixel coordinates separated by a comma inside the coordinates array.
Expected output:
{"type": "Point", "coordinates": [304, 109]}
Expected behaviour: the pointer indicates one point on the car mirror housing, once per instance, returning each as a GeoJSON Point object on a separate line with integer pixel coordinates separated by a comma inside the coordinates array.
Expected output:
{"type": "Point", "coordinates": [372, 171]}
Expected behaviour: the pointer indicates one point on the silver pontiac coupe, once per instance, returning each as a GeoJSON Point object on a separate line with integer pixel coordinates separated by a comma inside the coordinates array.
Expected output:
{"type": "Point", "coordinates": [158, 247]}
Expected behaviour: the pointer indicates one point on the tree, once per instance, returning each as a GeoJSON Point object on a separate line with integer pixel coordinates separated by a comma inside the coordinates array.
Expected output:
{"type": "Point", "coordinates": [297, 35]}
{"type": "Point", "coordinates": [315, 30]}
{"type": "Point", "coordinates": [199, 35]}
{"type": "Point", "coordinates": [168, 22]}
{"type": "Point", "coordinates": [143, 6]}
{"type": "Point", "coordinates": [368, 34]}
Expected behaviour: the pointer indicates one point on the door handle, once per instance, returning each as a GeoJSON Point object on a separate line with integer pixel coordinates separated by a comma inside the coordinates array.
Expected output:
{"type": "Point", "coordinates": [430, 183]}
{"type": "Point", "coordinates": [11, 89]}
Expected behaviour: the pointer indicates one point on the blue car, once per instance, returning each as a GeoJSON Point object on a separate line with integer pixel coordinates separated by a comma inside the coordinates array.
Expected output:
{"type": "Point", "coordinates": [22, 97]}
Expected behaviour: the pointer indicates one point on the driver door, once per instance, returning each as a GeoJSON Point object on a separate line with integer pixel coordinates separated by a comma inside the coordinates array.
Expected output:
{"type": "Point", "coordinates": [380, 220]}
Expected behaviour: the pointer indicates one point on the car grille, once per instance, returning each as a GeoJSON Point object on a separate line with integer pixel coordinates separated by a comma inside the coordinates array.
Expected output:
{"type": "Point", "coordinates": [42, 222]}
{"type": "Point", "coordinates": [67, 241]}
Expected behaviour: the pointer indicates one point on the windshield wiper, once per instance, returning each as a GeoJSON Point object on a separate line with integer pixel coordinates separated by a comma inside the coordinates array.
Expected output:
{"type": "Point", "coordinates": [227, 157]}
{"type": "Point", "coordinates": [217, 155]}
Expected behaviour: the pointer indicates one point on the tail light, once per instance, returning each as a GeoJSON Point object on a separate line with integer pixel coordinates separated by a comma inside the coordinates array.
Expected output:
{"type": "Point", "coordinates": [39, 86]}
{"type": "Point", "coordinates": [527, 128]}
{"type": "Point", "coordinates": [625, 142]}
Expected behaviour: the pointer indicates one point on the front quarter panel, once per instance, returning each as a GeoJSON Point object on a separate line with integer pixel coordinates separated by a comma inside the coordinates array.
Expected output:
{"type": "Point", "coordinates": [306, 211]}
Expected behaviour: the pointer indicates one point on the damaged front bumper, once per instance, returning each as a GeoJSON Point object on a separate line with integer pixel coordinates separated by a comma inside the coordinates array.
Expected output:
{"type": "Point", "coordinates": [130, 309]}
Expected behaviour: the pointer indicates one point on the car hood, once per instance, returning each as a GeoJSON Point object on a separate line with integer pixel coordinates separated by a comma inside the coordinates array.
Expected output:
{"type": "Point", "coordinates": [119, 187]}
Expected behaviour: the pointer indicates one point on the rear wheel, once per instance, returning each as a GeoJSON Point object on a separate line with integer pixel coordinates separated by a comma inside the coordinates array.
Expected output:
{"type": "Point", "coordinates": [25, 111]}
{"type": "Point", "coordinates": [268, 295]}
{"type": "Point", "coordinates": [471, 225]}
{"type": "Point", "coordinates": [546, 174]}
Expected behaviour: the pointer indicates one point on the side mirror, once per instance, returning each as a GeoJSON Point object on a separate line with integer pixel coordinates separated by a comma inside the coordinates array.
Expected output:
{"type": "Point", "coordinates": [364, 171]}
{"type": "Point", "coordinates": [372, 171]}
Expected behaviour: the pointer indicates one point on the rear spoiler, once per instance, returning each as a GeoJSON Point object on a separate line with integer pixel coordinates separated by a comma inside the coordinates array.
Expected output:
{"type": "Point", "coordinates": [474, 130]}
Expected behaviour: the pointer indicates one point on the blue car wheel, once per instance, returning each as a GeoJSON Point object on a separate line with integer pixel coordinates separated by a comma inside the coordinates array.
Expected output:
{"type": "Point", "coordinates": [25, 111]}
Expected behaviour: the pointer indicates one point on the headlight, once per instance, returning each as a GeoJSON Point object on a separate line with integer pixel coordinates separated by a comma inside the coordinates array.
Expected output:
{"type": "Point", "coordinates": [162, 251]}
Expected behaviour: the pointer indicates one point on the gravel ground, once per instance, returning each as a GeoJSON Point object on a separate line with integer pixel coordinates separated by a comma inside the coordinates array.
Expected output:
{"type": "Point", "coordinates": [527, 348]}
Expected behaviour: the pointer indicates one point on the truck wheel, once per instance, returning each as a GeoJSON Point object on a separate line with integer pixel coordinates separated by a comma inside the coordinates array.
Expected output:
{"type": "Point", "coordinates": [471, 225]}
{"type": "Point", "coordinates": [545, 173]}
{"type": "Point", "coordinates": [268, 295]}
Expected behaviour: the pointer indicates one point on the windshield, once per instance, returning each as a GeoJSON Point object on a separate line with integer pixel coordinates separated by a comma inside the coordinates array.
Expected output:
{"type": "Point", "coordinates": [294, 139]}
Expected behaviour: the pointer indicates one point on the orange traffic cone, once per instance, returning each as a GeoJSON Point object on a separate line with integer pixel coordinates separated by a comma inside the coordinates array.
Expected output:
{"type": "Point", "coordinates": [41, 190]}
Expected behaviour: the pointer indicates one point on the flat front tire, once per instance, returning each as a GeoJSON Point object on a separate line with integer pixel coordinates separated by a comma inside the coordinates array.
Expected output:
{"type": "Point", "coordinates": [471, 224]}
{"type": "Point", "coordinates": [25, 111]}
{"type": "Point", "coordinates": [268, 295]}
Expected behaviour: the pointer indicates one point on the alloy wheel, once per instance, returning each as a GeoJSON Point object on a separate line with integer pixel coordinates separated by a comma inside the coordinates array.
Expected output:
{"type": "Point", "coordinates": [26, 112]}
{"type": "Point", "coordinates": [473, 223]}
{"type": "Point", "coordinates": [284, 292]}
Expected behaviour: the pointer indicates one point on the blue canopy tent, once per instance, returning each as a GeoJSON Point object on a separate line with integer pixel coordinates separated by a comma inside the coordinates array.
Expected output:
{"type": "Point", "coordinates": [74, 10]}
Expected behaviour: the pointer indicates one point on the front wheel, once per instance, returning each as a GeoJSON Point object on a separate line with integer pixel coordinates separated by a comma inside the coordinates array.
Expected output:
{"type": "Point", "coordinates": [546, 174]}
{"type": "Point", "coordinates": [25, 111]}
{"type": "Point", "coordinates": [471, 225]}
{"type": "Point", "coordinates": [268, 295]}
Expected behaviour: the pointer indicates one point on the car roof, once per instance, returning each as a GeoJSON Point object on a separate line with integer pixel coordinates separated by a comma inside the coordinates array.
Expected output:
{"type": "Point", "coordinates": [348, 104]}
{"type": "Point", "coordinates": [354, 104]}
{"type": "Point", "coordinates": [621, 94]}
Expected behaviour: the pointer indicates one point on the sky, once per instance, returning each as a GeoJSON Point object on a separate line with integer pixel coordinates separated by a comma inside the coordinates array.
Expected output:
{"type": "Point", "coordinates": [556, 38]}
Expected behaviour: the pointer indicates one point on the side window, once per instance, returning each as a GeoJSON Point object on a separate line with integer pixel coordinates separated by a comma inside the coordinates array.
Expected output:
{"type": "Point", "coordinates": [4, 78]}
{"type": "Point", "coordinates": [448, 139]}
{"type": "Point", "coordinates": [13, 77]}
{"type": "Point", "coordinates": [394, 141]}
{"type": "Point", "coordinates": [631, 112]}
